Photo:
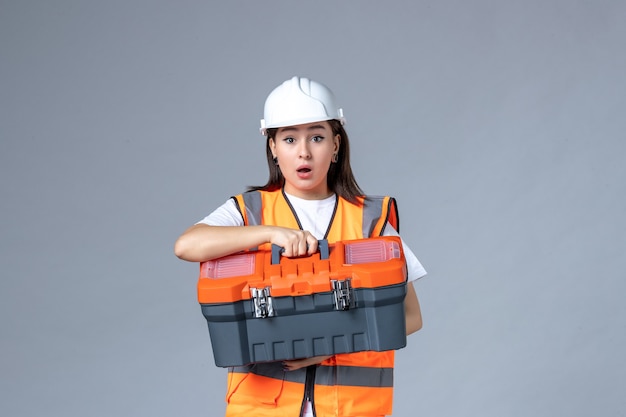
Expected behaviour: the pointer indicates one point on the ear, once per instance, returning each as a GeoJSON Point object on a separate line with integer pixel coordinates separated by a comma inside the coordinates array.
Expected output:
{"type": "Point", "coordinates": [337, 141]}
{"type": "Point", "coordinates": [272, 147]}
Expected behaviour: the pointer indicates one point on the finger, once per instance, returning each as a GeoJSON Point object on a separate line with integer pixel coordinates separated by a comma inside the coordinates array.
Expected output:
{"type": "Point", "coordinates": [286, 249]}
{"type": "Point", "coordinates": [292, 365]}
{"type": "Point", "coordinates": [302, 247]}
{"type": "Point", "coordinates": [312, 244]}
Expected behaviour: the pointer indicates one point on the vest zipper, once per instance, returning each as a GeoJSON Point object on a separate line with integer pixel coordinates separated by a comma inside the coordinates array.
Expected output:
{"type": "Point", "coordinates": [309, 384]}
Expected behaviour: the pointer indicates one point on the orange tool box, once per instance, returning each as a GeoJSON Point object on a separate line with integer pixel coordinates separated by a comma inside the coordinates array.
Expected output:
{"type": "Point", "coordinates": [348, 297]}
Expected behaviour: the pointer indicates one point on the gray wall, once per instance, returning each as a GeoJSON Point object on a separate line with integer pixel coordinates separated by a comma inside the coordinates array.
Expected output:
{"type": "Point", "coordinates": [498, 125]}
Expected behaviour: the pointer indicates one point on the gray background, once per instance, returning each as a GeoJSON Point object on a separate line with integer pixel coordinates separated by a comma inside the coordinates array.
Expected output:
{"type": "Point", "coordinates": [498, 125]}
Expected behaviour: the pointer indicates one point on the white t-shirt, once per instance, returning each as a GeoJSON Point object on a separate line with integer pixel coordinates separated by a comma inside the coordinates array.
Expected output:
{"type": "Point", "coordinates": [314, 216]}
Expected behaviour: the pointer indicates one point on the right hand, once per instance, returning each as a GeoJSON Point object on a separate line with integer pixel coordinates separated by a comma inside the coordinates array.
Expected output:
{"type": "Point", "coordinates": [294, 242]}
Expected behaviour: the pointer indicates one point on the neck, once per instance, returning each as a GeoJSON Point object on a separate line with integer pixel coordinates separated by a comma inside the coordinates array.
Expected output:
{"type": "Point", "coordinates": [309, 194]}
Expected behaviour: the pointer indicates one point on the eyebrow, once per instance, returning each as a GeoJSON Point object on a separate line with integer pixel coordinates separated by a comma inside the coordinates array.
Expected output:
{"type": "Point", "coordinates": [292, 129]}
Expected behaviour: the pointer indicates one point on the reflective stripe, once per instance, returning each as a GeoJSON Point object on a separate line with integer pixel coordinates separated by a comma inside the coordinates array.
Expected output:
{"type": "Point", "coordinates": [353, 376]}
{"type": "Point", "coordinates": [253, 207]}
{"type": "Point", "coordinates": [272, 370]}
{"type": "Point", "coordinates": [372, 210]}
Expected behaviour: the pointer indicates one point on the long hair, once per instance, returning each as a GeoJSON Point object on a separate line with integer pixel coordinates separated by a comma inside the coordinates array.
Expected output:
{"type": "Point", "coordinates": [340, 178]}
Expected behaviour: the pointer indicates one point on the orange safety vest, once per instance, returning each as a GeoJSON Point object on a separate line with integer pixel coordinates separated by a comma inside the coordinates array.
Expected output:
{"type": "Point", "coordinates": [345, 385]}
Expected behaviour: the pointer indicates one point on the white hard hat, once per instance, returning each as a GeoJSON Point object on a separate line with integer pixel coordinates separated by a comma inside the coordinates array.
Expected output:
{"type": "Point", "coordinates": [298, 101]}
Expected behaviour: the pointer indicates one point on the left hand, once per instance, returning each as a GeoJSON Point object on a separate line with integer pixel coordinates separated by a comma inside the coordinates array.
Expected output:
{"type": "Point", "coordinates": [303, 363]}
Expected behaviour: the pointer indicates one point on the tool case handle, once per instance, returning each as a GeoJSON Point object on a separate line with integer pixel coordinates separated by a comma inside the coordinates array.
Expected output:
{"type": "Point", "coordinates": [322, 247]}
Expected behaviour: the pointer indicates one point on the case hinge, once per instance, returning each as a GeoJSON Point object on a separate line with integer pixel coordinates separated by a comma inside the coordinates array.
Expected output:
{"type": "Point", "coordinates": [342, 292]}
{"type": "Point", "coordinates": [262, 302]}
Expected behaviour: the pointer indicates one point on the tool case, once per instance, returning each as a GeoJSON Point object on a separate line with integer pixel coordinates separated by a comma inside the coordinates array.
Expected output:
{"type": "Point", "coordinates": [261, 306]}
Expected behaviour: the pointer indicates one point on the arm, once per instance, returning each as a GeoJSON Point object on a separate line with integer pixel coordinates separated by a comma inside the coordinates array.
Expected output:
{"type": "Point", "coordinates": [202, 242]}
{"type": "Point", "coordinates": [412, 310]}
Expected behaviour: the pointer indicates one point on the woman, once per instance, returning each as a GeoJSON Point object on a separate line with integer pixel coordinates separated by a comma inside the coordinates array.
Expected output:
{"type": "Point", "coordinates": [311, 194]}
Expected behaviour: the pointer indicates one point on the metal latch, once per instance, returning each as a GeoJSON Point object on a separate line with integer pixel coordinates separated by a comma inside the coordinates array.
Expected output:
{"type": "Point", "coordinates": [262, 302]}
{"type": "Point", "coordinates": [342, 291]}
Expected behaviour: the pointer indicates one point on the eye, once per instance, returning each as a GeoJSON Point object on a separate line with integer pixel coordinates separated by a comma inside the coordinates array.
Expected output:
{"type": "Point", "coordinates": [289, 140]}
{"type": "Point", "coordinates": [317, 138]}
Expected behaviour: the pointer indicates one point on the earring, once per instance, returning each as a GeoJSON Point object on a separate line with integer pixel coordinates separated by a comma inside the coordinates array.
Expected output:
{"type": "Point", "coordinates": [335, 158]}
{"type": "Point", "coordinates": [275, 160]}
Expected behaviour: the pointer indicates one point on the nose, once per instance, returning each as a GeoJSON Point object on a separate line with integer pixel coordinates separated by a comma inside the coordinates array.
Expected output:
{"type": "Point", "coordinates": [305, 152]}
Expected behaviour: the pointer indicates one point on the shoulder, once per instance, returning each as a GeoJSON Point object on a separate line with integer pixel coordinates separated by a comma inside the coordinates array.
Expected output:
{"type": "Point", "coordinates": [225, 215]}
{"type": "Point", "coordinates": [384, 208]}
{"type": "Point", "coordinates": [377, 198]}
{"type": "Point", "coordinates": [253, 198]}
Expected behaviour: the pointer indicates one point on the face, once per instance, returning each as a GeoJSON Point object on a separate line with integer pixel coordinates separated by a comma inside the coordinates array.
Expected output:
{"type": "Point", "coordinates": [304, 155]}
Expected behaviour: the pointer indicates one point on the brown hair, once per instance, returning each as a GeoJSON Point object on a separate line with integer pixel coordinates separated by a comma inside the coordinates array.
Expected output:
{"type": "Point", "coordinates": [340, 178]}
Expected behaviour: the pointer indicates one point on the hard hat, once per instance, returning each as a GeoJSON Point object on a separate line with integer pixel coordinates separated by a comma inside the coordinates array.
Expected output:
{"type": "Point", "coordinates": [298, 101]}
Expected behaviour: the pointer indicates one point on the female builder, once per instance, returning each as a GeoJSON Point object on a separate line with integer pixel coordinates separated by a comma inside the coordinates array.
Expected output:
{"type": "Point", "coordinates": [311, 194]}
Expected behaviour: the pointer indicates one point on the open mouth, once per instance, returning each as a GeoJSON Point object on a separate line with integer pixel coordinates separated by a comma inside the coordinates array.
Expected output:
{"type": "Point", "coordinates": [304, 173]}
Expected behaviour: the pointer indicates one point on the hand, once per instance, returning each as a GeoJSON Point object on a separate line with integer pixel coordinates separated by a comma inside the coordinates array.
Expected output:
{"type": "Point", "coordinates": [303, 363]}
{"type": "Point", "coordinates": [293, 241]}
